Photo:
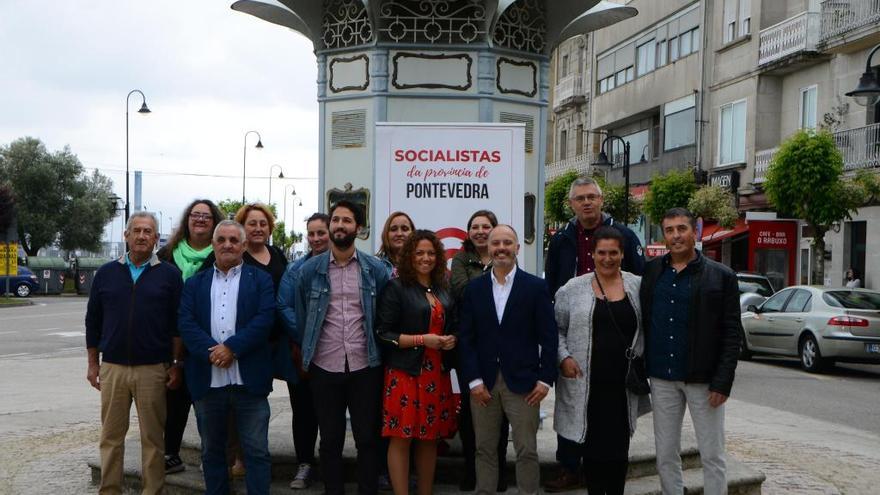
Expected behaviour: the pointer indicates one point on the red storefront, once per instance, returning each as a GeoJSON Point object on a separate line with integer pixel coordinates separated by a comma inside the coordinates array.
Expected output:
{"type": "Point", "coordinates": [769, 247]}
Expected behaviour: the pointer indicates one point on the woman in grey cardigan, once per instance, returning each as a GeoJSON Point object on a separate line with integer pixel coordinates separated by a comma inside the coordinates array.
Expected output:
{"type": "Point", "coordinates": [599, 319]}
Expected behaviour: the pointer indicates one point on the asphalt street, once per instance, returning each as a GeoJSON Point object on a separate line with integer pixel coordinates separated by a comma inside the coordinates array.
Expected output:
{"type": "Point", "coordinates": [52, 326]}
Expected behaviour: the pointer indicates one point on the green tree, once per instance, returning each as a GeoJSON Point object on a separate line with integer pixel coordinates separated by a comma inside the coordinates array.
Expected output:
{"type": "Point", "coordinates": [230, 206]}
{"type": "Point", "coordinates": [715, 203]}
{"type": "Point", "coordinates": [673, 189]}
{"type": "Point", "coordinates": [615, 196]}
{"type": "Point", "coordinates": [805, 180]}
{"type": "Point", "coordinates": [51, 191]}
{"type": "Point", "coordinates": [7, 210]}
{"type": "Point", "coordinates": [556, 209]}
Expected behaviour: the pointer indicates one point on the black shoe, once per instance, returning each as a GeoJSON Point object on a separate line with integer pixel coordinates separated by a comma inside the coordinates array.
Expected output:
{"type": "Point", "coordinates": [502, 485]}
{"type": "Point", "coordinates": [468, 483]}
{"type": "Point", "coordinates": [173, 464]}
{"type": "Point", "coordinates": [564, 482]}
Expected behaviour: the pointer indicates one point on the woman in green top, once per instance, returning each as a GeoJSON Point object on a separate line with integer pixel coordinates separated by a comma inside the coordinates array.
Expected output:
{"type": "Point", "coordinates": [469, 263]}
{"type": "Point", "coordinates": [189, 249]}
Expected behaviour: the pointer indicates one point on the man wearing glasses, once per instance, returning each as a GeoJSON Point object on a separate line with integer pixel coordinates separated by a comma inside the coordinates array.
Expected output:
{"type": "Point", "coordinates": [569, 255]}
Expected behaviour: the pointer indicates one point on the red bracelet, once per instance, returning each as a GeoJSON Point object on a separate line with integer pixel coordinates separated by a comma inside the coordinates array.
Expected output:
{"type": "Point", "coordinates": [420, 340]}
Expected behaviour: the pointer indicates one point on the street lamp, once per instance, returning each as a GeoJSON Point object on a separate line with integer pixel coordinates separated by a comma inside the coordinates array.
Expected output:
{"type": "Point", "coordinates": [285, 200]}
{"type": "Point", "coordinates": [280, 176]}
{"type": "Point", "coordinates": [603, 162]}
{"type": "Point", "coordinates": [644, 150]}
{"type": "Point", "coordinates": [259, 146]}
{"type": "Point", "coordinates": [868, 91]}
{"type": "Point", "coordinates": [143, 109]}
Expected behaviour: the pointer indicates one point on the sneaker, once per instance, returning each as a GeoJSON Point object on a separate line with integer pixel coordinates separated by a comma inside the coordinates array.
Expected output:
{"type": "Point", "coordinates": [173, 464]}
{"type": "Point", "coordinates": [564, 482]}
{"type": "Point", "coordinates": [303, 477]}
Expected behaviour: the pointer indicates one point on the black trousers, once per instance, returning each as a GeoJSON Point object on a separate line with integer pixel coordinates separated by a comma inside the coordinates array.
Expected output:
{"type": "Point", "coordinates": [177, 407]}
{"type": "Point", "coordinates": [468, 438]}
{"type": "Point", "coordinates": [361, 393]}
{"type": "Point", "coordinates": [305, 422]}
{"type": "Point", "coordinates": [605, 477]}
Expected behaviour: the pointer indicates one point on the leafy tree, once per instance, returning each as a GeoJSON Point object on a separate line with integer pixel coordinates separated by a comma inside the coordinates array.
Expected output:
{"type": "Point", "coordinates": [282, 239]}
{"type": "Point", "coordinates": [7, 210]}
{"type": "Point", "coordinates": [556, 209]}
{"type": "Point", "coordinates": [614, 195]}
{"type": "Point", "coordinates": [673, 189]}
{"type": "Point", "coordinates": [52, 192]}
{"type": "Point", "coordinates": [805, 180]}
{"type": "Point", "coordinates": [230, 206]}
{"type": "Point", "coordinates": [716, 203]}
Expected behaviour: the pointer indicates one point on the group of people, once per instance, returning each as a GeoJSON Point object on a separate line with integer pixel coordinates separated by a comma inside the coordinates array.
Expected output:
{"type": "Point", "coordinates": [218, 313]}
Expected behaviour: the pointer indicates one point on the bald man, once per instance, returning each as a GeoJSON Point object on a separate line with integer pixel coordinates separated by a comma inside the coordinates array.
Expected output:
{"type": "Point", "coordinates": [507, 344]}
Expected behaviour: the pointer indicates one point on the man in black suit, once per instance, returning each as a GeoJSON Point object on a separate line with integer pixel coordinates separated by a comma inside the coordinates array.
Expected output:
{"type": "Point", "coordinates": [507, 342]}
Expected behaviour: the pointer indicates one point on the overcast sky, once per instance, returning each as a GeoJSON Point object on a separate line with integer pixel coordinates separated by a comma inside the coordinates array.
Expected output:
{"type": "Point", "coordinates": [209, 74]}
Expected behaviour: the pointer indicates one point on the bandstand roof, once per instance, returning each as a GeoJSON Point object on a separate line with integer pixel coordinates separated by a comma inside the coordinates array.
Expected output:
{"type": "Point", "coordinates": [534, 26]}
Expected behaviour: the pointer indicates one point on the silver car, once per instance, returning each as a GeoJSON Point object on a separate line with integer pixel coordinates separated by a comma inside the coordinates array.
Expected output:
{"type": "Point", "coordinates": [819, 325]}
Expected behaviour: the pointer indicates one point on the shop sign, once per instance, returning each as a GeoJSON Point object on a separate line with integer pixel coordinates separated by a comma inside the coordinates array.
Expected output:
{"type": "Point", "coordinates": [773, 238]}
{"type": "Point", "coordinates": [728, 180]}
{"type": "Point", "coordinates": [655, 250]}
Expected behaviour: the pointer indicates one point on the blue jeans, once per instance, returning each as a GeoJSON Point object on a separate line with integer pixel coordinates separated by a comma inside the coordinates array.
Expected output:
{"type": "Point", "coordinates": [252, 422]}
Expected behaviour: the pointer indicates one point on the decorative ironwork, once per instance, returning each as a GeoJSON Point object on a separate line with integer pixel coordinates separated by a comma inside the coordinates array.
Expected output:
{"type": "Point", "coordinates": [522, 27]}
{"type": "Point", "coordinates": [345, 23]}
{"type": "Point", "coordinates": [433, 21]}
{"type": "Point", "coordinates": [341, 60]}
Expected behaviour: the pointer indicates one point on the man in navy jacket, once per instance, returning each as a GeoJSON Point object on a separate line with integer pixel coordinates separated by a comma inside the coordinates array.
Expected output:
{"type": "Point", "coordinates": [507, 343]}
{"type": "Point", "coordinates": [131, 333]}
{"type": "Point", "coordinates": [225, 318]}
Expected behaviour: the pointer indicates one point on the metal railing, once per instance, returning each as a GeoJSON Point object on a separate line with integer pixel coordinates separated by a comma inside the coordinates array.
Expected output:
{"type": "Point", "coordinates": [795, 34]}
{"type": "Point", "coordinates": [860, 147]}
{"type": "Point", "coordinates": [762, 163]}
{"type": "Point", "coordinates": [569, 86]}
{"type": "Point", "coordinates": [580, 163]}
{"type": "Point", "coordinates": [841, 16]}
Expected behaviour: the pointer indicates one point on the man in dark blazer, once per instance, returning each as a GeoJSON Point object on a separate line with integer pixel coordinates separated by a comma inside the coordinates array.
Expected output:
{"type": "Point", "coordinates": [225, 317]}
{"type": "Point", "coordinates": [507, 343]}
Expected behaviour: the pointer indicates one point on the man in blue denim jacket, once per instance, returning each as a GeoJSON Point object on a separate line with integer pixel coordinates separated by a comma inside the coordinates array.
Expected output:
{"type": "Point", "coordinates": [333, 300]}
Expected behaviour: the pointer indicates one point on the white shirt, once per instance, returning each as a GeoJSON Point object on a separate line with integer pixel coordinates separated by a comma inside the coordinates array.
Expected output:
{"type": "Point", "coordinates": [224, 311]}
{"type": "Point", "coordinates": [500, 292]}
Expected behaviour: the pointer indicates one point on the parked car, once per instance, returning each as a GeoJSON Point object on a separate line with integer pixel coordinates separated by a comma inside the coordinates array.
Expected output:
{"type": "Point", "coordinates": [818, 325]}
{"type": "Point", "coordinates": [22, 284]}
{"type": "Point", "coordinates": [754, 288]}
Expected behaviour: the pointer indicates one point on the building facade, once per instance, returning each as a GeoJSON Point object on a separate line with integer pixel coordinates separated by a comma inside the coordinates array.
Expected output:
{"type": "Point", "coordinates": [717, 86]}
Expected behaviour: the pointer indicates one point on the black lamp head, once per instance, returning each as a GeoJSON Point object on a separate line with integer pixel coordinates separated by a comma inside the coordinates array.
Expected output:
{"type": "Point", "coordinates": [259, 144]}
{"type": "Point", "coordinates": [144, 108]}
{"type": "Point", "coordinates": [868, 91]}
{"type": "Point", "coordinates": [602, 161]}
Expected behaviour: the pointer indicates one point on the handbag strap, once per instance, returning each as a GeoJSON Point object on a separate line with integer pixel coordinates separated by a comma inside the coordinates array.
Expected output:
{"type": "Point", "coordinates": [629, 348]}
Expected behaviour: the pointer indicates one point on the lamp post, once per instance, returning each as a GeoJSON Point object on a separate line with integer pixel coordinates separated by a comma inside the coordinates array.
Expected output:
{"type": "Point", "coordinates": [259, 146]}
{"type": "Point", "coordinates": [280, 176]}
{"type": "Point", "coordinates": [603, 162]}
{"type": "Point", "coordinates": [644, 151]}
{"type": "Point", "coordinates": [293, 193]}
{"type": "Point", "coordinates": [867, 92]}
{"type": "Point", "coordinates": [143, 109]}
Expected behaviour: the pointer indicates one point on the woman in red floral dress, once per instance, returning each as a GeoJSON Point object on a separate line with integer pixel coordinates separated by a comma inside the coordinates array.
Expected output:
{"type": "Point", "coordinates": [416, 320]}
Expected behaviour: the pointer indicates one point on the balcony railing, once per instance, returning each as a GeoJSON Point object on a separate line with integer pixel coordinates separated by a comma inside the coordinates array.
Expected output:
{"type": "Point", "coordinates": [793, 35]}
{"type": "Point", "coordinates": [580, 163]}
{"type": "Point", "coordinates": [841, 16]}
{"type": "Point", "coordinates": [568, 88]}
{"type": "Point", "coordinates": [860, 147]}
{"type": "Point", "coordinates": [762, 163]}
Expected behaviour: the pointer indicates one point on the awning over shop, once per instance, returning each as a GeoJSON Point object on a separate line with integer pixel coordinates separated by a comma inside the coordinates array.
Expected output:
{"type": "Point", "coordinates": [714, 233]}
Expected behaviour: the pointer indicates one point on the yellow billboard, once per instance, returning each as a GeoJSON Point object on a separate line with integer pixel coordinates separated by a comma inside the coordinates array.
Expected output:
{"type": "Point", "coordinates": [8, 258]}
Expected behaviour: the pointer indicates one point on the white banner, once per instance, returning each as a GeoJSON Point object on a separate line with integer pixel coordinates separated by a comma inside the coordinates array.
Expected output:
{"type": "Point", "coordinates": [440, 174]}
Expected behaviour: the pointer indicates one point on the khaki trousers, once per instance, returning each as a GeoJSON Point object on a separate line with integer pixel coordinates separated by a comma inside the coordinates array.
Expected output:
{"type": "Point", "coordinates": [524, 420]}
{"type": "Point", "coordinates": [119, 385]}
